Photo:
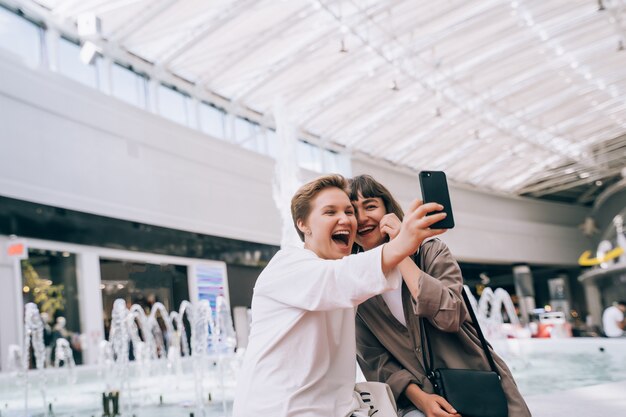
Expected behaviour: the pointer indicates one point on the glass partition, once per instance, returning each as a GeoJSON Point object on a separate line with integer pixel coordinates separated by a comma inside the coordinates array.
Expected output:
{"type": "Point", "coordinates": [49, 280]}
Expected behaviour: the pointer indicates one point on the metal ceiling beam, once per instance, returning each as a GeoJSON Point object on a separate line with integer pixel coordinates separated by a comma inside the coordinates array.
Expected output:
{"type": "Point", "coordinates": [592, 178]}
{"type": "Point", "coordinates": [257, 42]}
{"type": "Point", "coordinates": [587, 196]}
{"type": "Point", "coordinates": [343, 92]}
{"type": "Point", "coordinates": [407, 139]}
{"type": "Point", "coordinates": [559, 179]}
{"type": "Point", "coordinates": [312, 83]}
{"type": "Point", "coordinates": [476, 106]}
{"type": "Point", "coordinates": [203, 30]}
{"type": "Point", "coordinates": [305, 50]}
{"type": "Point", "coordinates": [382, 117]}
{"type": "Point", "coordinates": [563, 175]}
{"type": "Point", "coordinates": [138, 22]}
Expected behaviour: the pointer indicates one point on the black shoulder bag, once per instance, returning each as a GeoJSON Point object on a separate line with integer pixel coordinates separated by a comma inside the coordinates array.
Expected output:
{"type": "Point", "coordinates": [471, 392]}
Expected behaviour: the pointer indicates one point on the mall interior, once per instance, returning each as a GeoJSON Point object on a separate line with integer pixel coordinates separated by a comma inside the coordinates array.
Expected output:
{"type": "Point", "coordinates": [149, 150]}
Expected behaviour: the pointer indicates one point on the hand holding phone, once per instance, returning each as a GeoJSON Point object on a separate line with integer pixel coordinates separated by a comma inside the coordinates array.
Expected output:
{"type": "Point", "coordinates": [434, 188]}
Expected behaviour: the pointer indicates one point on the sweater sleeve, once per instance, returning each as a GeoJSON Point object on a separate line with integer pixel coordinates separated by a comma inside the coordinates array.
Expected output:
{"type": "Point", "coordinates": [439, 299]}
{"type": "Point", "coordinates": [298, 278]}
{"type": "Point", "coordinates": [378, 364]}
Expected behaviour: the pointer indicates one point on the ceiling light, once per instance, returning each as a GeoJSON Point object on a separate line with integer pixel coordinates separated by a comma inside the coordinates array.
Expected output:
{"type": "Point", "coordinates": [584, 175]}
{"type": "Point", "coordinates": [599, 183]}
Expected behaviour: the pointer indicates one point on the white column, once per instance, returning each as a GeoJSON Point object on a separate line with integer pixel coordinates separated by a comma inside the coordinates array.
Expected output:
{"type": "Point", "coordinates": [10, 302]}
{"type": "Point", "coordinates": [524, 288]}
{"type": "Point", "coordinates": [90, 307]}
{"type": "Point", "coordinates": [594, 302]}
{"type": "Point", "coordinates": [192, 283]}
{"type": "Point", "coordinates": [52, 49]}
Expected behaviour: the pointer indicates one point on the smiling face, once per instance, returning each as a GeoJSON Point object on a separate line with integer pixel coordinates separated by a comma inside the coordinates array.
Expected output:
{"type": "Point", "coordinates": [330, 227]}
{"type": "Point", "coordinates": [369, 213]}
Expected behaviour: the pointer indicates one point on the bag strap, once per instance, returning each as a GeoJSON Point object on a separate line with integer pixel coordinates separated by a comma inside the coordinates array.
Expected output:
{"type": "Point", "coordinates": [428, 364]}
{"type": "Point", "coordinates": [417, 258]}
{"type": "Point", "coordinates": [480, 333]}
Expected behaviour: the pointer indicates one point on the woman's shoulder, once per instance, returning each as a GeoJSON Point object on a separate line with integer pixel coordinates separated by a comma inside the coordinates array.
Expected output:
{"type": "Point", "coordinates": [433, 242]}
{"type": "Point", "coordinates": [432, 246]}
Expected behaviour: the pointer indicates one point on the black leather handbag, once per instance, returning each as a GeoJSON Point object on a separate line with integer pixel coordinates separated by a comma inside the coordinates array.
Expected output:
{"type": "Point", "coordinates": [471, 392]}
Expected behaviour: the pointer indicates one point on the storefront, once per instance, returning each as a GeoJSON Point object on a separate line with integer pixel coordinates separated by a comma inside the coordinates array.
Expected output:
{"type": "Point", "coordinates": [75, 286]}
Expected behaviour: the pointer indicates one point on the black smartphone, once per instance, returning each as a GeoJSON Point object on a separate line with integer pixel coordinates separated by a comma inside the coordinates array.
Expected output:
{"type": "Point", "coordinates": [434, 188]}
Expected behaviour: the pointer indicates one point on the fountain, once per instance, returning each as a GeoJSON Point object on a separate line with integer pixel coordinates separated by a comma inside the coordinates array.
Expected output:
{"type": "Point", "coordinates": [64, 357]}
{"type": "Point", "coordinates": [224, 330]}
{"type": "Point", "coordinates": [33, 338]}
{"type": "Point", "coordinates": [489, 310]}
{"type": "Point", "coordinates": [147, 363]}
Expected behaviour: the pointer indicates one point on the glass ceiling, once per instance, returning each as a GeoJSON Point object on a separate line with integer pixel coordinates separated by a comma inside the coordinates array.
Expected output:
{"type": "Point", "coordinates": [519, 97]}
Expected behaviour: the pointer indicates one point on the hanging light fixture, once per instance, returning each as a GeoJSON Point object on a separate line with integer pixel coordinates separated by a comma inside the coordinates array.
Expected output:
{"type": "Point", "coordinates": [343, 48]}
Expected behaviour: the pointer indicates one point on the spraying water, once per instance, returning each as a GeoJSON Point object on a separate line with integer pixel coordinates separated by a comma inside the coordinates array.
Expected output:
{"type": "Point", "coordinates": [33, 338]}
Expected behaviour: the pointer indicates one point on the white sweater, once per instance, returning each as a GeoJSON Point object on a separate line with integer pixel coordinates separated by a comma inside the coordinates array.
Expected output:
{"type": "Point", "coordinates": [300, 360]}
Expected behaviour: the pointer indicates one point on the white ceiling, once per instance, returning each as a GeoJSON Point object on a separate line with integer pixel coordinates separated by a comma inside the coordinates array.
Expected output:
{"type": "Point", "coordinates": [520, 97]}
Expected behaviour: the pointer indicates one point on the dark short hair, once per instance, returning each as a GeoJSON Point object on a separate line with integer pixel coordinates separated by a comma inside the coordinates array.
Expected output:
{"type": "Point", "coordinates": [367, 187]}
{"type": "Point", "coordinates": [301, 201]}
{"type": "Point", "coordinates": [622, 302]}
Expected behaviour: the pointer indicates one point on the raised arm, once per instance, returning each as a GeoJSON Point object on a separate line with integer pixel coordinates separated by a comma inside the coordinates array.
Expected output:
{"type": "Point", "coordinates": [415, 228]}
{"type": "Point", "coordinates": [437, 295]}
{"type": "Point", "coordinates": [300, 279]}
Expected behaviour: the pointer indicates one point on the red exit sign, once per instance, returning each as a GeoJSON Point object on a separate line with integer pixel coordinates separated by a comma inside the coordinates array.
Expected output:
{"type": "Point", "coordinates": [17, 249]}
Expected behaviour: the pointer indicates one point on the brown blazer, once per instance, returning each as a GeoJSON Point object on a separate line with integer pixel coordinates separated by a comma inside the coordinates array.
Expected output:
{"type": "Point", "coordinates": [389, 352]}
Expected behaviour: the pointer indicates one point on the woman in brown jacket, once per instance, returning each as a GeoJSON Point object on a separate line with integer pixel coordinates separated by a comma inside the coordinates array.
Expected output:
{"type": "Point", "coordinates": [387, 326]}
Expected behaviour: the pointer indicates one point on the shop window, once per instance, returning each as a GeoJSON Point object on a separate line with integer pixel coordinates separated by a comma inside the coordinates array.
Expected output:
{"type": "Point", "coordinates": [143, 284]}
{"type": "Point", "coordinates": [128, 85]}
{"type": "Point", "coordinates": [20, 37]}
{"type": "Point", "coordinates": [49, 280]}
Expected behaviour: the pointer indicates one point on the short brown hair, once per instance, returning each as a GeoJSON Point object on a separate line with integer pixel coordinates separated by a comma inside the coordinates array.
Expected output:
{"type": "Point", "coordinates": [368, 187]}
{"type": "Point", "coordinates": [301, 201]}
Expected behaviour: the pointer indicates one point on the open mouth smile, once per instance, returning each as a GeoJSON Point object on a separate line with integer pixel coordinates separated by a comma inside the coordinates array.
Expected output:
{"type": "Point", "coordinates": [341, 237]}
{"type": "Point", "coordinates": [365, 230]}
